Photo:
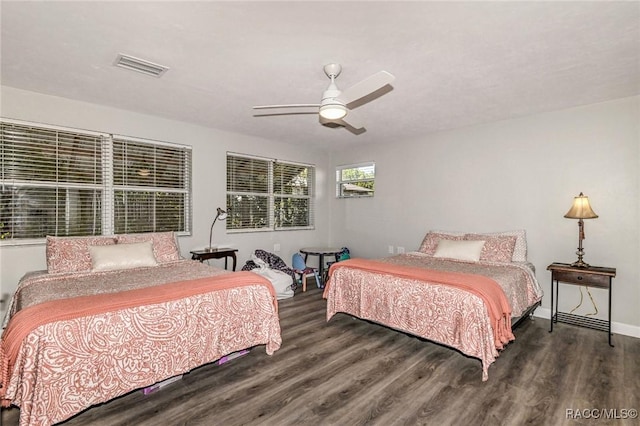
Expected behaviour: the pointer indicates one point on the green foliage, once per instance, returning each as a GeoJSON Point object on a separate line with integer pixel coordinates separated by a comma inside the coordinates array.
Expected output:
{"type": "Point", "coordinates": [3, 234]}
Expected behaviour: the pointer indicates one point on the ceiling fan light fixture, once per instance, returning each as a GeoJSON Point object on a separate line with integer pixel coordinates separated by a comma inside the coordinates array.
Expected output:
{"type": "Point", "coordinates": [333, 111]}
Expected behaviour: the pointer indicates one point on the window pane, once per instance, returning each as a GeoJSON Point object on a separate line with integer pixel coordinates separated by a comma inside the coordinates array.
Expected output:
{"type": "Point", "coordinates": [32, 212]}
{"type": "Point", "coordinates": [263, 193]}
{"type": "Point", "coordinates": [170, 167]}
{"type": "Point", "coordinates": [133, 212]}
{"type": "Point", "coordinates": [165, 172]}
{"type": "Point", "coordinates": [146, 211]}
{"type": "Point", "coordinates": [49, 155]}
{"type": "Point", "coordinates": [356, 189]}
{"type": "Point", "coordinates": [57, 181]}
{"type": "Point", "coordinates": [290, 179]}
{"type": "Point", "coordinates": [170, 214]}
{"type": "Point", "coordinates": [51, 182]}
{"type": "Point", "coordinates": [292, 212]}
{"type": "Point", "coordinates": [355, 181]}
{"type": "Point", "coordinates": [358, 173]}
{"type": "Point", "coordinates": [247, 175]}
{"type": "Point", "coordinates": [247, 211]}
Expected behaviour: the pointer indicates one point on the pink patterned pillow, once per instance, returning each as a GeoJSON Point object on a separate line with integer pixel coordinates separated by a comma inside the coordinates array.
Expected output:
{"type": "Point", "coordinates": [71, 254]}
{"type": "Point", "coordinates": [496, 249]}
{"type": "Point", "coordinates": [165, 245]}
{"type": "Point", "coordinates": [431, 240]}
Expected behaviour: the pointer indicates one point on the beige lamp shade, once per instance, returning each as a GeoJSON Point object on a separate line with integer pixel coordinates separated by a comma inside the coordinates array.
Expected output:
{"type": "Point", "coordinates": [581, 209]}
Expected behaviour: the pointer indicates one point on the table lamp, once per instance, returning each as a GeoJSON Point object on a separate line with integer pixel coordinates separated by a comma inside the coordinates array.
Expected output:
{"type": "Point", "coordinates": [580, 210]}
{"type": "Point", "coordinates": [222, 215]}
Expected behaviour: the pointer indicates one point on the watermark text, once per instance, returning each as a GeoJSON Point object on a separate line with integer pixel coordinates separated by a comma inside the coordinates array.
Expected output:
{"type": "Point", "coordinates": [601, 413]}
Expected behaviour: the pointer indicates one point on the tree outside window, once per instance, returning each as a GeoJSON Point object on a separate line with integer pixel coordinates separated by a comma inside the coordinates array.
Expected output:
{"type": "Point", "coordinates": [357, 180]}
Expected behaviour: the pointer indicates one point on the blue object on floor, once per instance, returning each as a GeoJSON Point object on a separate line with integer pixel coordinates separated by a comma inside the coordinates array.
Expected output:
{"type": "Point", "coordinates": [300, 267]}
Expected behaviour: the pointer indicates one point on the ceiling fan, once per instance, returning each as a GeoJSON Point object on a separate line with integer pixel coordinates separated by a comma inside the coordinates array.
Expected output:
{"type": "Point", "coordinates": [335, 108]}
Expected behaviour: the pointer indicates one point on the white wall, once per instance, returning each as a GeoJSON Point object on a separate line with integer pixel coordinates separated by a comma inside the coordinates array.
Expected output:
{"type": "Point", "coordinates": [209, 175]}
{"type": "Point", "coordinates": [514, 174]}
{"type": "Point", "coordinates": [511, 174]}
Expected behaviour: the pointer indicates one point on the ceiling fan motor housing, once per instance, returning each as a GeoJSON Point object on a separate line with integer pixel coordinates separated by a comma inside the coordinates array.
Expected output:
{"type": "Point", "coordinates": [330, 107]}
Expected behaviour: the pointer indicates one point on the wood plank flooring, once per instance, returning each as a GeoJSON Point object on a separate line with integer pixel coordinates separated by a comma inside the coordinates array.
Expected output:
{"type": "Point", "coordinates": [351, 372]}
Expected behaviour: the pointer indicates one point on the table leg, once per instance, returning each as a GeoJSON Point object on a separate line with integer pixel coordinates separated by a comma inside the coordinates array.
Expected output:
{"type": "Point", "coordinates": [551, 308]}
{"type": "Point", "coordinates": [235, 260]}
{"type": "Point", "coordinates": [321, 269]}
{"type": "Point", "coordinates": [557, 297]}
{"type": "Point", "coordinates": [610, 290]}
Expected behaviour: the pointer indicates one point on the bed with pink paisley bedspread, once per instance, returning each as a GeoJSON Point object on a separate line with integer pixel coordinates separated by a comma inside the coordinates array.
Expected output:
{"type": "Point", "coordinates": [431, 310]}
{"type": "Point", "coordinates": [73, 360]}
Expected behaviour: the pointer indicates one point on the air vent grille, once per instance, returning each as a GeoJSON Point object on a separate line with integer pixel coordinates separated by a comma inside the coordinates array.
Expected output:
{"type": "Point", "coordinates": [140, 65]}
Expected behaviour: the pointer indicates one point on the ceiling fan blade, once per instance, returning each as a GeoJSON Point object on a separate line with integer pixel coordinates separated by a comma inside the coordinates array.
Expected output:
{"type": "Point", "coordinates": [286, 106]}
{"type": "Point", "coordinates": [268, 110]}
{"type": "Point", "coordinates": [365, 87]}
{"type": "Point", "coordinates": [351, 120]}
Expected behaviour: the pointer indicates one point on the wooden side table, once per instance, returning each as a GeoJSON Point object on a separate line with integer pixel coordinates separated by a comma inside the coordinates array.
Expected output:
{"type": "Point", "coordinates": [592, 276]}
{"type": "Point", "coordinates": [203, 255]}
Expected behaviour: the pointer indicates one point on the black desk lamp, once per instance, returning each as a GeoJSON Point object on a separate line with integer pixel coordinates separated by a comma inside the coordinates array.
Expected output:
{"type": "Point", "coordinates": [222, 215]}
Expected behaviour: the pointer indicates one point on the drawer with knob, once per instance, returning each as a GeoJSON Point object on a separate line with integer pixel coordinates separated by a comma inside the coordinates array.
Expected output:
{"type": "Point", "coordinates": [581, 278]}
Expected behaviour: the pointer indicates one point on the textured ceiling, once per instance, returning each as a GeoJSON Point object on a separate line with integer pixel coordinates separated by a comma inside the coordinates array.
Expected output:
{"type": "Point", "coordinates": [455, 63]}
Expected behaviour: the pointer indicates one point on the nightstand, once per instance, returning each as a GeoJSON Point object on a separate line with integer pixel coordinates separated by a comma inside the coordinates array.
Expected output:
{"type": "Point", "coordinates": [203, 255]}
{"type": "Point", "coordinates": [592, 276]}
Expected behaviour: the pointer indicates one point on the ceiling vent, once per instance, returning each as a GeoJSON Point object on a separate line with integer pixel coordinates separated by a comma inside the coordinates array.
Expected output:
{"type": "Point", "coordinates": [139, 65]}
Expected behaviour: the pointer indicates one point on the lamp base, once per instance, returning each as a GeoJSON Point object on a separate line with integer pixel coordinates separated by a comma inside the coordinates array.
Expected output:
{"type": "Point", "coordinates": [210, 249]}
{"type": "Point", "coordinates": [580, 264]}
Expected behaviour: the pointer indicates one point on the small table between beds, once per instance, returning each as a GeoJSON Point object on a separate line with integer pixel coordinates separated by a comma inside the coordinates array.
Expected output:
{"type": "Point", "coordinates": [320, 252]}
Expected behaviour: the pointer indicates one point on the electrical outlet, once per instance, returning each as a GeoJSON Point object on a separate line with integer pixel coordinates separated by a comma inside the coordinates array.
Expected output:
{"type": "Point", "coordinates": [276, 247]}
{"type": "Point", "coordinates": [4, 299]}
{"type": "Point", "coordinates": [400, 250]}
{"type": "Point", "coordinates": [390, 249]}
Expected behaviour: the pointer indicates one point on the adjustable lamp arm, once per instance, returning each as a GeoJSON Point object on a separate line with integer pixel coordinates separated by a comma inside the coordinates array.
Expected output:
{"type": "Point", "coordinates": [222, 215]}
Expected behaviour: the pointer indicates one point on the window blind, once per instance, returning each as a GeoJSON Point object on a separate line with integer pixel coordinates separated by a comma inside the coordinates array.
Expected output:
{"type": "Point", "coordinates": [68, 182]}
{"type": "Point", "coordinates": [265, 194]}
{"type": "Point", "coordinates": [51, 181]}
{"type": "Point", "coordinates": [151, 186]}
{"type": "Point", "coordinates": [292, 190]}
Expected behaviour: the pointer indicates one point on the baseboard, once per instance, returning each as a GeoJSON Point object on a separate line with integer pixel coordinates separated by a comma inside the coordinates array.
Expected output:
{"type": "Point", "coordinates": [616, 327]}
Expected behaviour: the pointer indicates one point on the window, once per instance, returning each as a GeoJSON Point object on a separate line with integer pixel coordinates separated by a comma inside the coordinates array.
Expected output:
{"type": "Point", "coordinates": [355, 180]}
{"type": "Point", "coordinates": [266, 195]}
{"type": "Point", "coordinates": [151, 185]}
{"type": "Point", "coordinates": [69, 182]}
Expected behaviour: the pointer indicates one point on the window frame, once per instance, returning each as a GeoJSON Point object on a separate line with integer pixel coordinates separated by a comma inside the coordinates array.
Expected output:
{"type": "Point", "coordinates": [341, 181]}
{"type": "Point", "coordinates": [106, 213]}
{"type": "Point", "coordinates": [271, 194]}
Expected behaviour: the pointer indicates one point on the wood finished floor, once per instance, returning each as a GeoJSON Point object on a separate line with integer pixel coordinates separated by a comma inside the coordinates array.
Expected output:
{"type": "Point", "coordinates": [351, 372]}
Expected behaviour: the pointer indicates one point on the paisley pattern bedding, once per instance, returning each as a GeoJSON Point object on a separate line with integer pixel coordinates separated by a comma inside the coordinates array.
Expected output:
{"type": "Point", "coordinates": [65, 366]}
{"type": "Point", "coordinates": [433, 311]}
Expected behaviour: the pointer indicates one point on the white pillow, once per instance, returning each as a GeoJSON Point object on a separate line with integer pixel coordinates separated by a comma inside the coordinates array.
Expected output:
{"type": "Point", "coordinates": [520, 250]}
{"type": "Point", "coordinates": [122, 256]}
{"type": "Point", "coordinates": [459, 250]}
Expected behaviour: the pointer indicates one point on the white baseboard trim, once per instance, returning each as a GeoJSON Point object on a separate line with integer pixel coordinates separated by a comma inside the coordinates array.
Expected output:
{"type": "Point", "coordinates": [616, 327]}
